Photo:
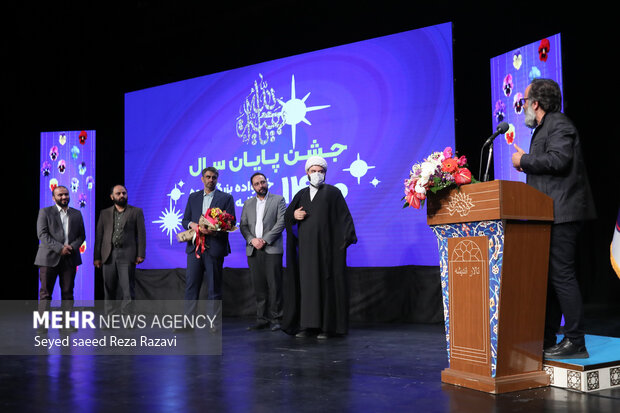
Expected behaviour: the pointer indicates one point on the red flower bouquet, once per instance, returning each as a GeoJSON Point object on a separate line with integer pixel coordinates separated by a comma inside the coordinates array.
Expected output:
{"type": "Point", "coordinates": [213, 220]}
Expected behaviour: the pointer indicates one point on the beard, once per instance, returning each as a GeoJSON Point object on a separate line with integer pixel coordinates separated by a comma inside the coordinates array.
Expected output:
{"type": "Point", "coordinates": [530, 118]}
{"type": "Point", "coordinates": [122, 202]}
{"type": "Point", "coordinates": [62, 202]}
{"type": "Point", "coordinates": [262, 192]}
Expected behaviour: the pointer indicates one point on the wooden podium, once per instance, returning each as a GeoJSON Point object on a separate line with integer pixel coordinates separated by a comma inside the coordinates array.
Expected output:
{"type": "Point", "coordinates": [493, 242]}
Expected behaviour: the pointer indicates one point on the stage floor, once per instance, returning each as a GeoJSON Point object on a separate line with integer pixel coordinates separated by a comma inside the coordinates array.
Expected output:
{"type": "Point", "coordinates": [377, 368]}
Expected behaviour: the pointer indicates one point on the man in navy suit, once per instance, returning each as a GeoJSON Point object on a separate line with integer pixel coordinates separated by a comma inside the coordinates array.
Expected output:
{"type": "Point", "coordinates": [210, 262]}
{"type": "Point", "coordinates": [555, 167]}
{"type": "Point", "coordinates": [61, 233]}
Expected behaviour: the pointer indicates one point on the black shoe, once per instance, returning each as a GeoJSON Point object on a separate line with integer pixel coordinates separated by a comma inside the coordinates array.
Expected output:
{"type": "Point", "coordinates": [258, 326]}
{"type": "Point", "coordinates": [565, 349]}
{"type": "Point", "coordinates": [547, 345]}
{"type": "Point", "coordinates": [276, 327]}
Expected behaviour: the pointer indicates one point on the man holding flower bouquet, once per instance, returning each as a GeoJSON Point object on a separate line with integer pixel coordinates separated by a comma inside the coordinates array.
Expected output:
{"type": "Point", "coordinates": [207, 249]}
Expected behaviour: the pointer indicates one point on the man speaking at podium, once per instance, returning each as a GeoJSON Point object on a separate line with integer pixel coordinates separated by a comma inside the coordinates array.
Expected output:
{"type": "Point", "coordinates": [555, 167]}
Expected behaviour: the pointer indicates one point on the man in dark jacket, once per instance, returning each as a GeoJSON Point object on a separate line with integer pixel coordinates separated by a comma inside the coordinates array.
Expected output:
{"type": "Point", "coordinates": [120, 244]}
{"type": "Point", "coordinates": [555, 167]}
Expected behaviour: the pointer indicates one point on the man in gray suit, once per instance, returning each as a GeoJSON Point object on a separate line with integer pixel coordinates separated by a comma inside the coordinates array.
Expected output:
{"type": "Point", "coordinates": [262, 223]}
{"type": "Point", "coordinates": [61, 233]}
{"type": "Point", "coordinates": [120, 244]}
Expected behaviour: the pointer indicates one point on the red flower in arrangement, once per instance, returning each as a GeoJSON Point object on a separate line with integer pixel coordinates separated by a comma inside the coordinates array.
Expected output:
{"type": "Point", "coordinates": [414, 198]}
{"type": "Point", "coordinates": [543, 50]}
{"type": "Point", "coordinates": [463, 176]}
{"type": "Point", "coordinates": [449, 165]}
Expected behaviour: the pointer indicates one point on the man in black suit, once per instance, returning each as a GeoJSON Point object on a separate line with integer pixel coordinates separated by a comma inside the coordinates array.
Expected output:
{"type": "Point", "coordinates": [210, 262]}
{"type": "Point", "coordinates": [555, 167]}
{"type": "Point", "coordinates": [262, 223]}
{"type": "Point", "coordinates": [120, 244]}
{"type": "Point", "coordinates": [61, 233]}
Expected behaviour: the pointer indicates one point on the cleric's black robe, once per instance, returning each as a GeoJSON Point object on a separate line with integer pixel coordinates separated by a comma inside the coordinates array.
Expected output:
{"type": "Point", "coordinates": [315, 287]}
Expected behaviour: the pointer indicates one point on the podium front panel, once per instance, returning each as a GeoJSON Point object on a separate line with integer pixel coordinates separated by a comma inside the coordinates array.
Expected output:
{"type": "Point", "coordinates": [480, 313]}
{"type": "Point", "coordinates": [469, 304]}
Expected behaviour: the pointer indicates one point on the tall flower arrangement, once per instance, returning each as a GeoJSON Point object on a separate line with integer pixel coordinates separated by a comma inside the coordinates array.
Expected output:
{"type": "Point", "coordinates": [438, 171]}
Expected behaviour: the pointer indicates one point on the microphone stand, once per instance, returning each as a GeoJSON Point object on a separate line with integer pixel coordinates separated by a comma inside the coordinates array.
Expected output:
{"type": "Point", "coordinates": [501, 129]}
{"type": "Point", "coordinates": [486, 172]}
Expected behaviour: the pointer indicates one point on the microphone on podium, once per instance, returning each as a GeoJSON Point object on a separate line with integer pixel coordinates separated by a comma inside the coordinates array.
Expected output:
{"type": "Point", "coordinates": [501, 129]}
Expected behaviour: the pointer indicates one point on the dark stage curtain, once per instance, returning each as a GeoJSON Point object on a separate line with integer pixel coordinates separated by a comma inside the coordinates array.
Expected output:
{"type": "Point", "coordinates": [377, 294]}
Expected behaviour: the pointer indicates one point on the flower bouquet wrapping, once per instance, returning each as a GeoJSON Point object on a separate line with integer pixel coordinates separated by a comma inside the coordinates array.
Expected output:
{"type": "Point", "coordinates": [438, 171]}
{"type": "Point", "coordinates": [214, 220]}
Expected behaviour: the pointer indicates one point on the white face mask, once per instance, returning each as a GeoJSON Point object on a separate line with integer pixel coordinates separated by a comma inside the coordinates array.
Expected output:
{"type": "Point", "coordinates": [317, 178]}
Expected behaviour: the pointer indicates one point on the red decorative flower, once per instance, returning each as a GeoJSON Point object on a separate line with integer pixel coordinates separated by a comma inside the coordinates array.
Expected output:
{"type": "Point", "coordinates": [543, 50]}
{"type": "Point", "coordinates": [82, 137]}
{"type": "Point", "coordinates": [463, 176]}
{"type": "Point", "coordinates": [449, 165]}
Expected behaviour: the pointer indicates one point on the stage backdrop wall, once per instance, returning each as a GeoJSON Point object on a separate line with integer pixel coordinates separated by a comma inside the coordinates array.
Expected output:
{"type": "Point", "coordinates": [410, 294]}
{"type": "Point", "coordinates": [371, 108]}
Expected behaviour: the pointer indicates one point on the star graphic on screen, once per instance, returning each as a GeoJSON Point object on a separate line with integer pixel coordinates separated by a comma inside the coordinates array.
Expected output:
{"type": "Point", "coordinates": [176, 193]}
{"type": "Point", "coordinates": [375, 182]}
{"type": "Point", "coordinates": [358, 168]}
{"type": "Point", "coordinates": [170, 218]}
{"type": "Point", "coordinates": [295, 110]}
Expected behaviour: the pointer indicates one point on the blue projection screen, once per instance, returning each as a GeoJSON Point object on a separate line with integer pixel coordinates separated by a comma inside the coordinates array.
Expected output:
{"type": "Point", "coordinates": [511, 73]}
{"type": "Point", "coordinates": [371, 109]}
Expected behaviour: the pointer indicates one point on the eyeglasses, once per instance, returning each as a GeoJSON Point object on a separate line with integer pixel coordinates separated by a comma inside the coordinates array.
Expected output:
{"type": "Point", "coordinates": [522, 101]}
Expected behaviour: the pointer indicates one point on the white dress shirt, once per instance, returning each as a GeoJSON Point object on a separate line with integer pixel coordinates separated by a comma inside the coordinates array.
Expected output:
{"type": "Point", "coordinates": [64, 218]}
{"type": "Point", "coordinates": [260, 212]}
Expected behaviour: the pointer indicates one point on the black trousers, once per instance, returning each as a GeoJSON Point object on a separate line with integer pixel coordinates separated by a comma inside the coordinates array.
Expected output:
{"type": "Point", "coordinates": [563, 295]}
{"type": "Point", "coordinates": [266, 275]}
{"type": "Point", "coordinates": [119, 272]}
{"type": "Point", "coordinates": [65, 272]}
{"type": "Point", "coordinates": [205, 266]}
